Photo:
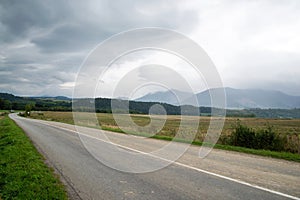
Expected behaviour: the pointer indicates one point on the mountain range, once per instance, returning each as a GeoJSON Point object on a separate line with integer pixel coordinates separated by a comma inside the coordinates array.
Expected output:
{"type": "Point", "coordinates": [103, 105]}
{"type": "Point", "coordinates": [235, 98]}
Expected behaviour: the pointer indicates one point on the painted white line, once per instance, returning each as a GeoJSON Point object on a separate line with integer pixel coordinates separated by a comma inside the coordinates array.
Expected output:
{"type": "Point", "coordinates": [182, 165]}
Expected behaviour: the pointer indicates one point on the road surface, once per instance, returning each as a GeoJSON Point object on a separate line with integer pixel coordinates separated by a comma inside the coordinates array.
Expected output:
{"type": "Point", "coordinates": [221, 175]}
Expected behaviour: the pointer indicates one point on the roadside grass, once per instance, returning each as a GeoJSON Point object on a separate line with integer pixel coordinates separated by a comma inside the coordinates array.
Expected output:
{"type": "Point", "coordinates": [23, 173]}
{"type": "Point", "coordinates": [3, 112]}
{"type": "Point", "coordinates": [107, 122]}
{"type": "Point", "coordinates": [259, 152]}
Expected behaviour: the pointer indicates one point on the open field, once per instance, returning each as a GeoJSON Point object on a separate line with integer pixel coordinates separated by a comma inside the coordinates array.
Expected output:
{"type": "Point", "coordinates": [281, 126]}
{"type": "Point", "coordinates": [289, 129]}
{"type": "Point", "coordinates": [23, 174]}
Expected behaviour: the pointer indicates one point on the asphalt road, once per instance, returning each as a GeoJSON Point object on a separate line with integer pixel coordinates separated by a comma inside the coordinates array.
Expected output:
{"type": "Point", "coordinates": [221, 175]}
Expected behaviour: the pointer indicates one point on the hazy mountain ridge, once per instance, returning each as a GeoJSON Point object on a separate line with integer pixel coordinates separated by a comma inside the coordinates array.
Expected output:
{"type": "Point", "coordinates": [235, 98]}
{"type": "Point", "coordinates": [9, 101]}
{"type": "Point", "coordinates": [165, 97]}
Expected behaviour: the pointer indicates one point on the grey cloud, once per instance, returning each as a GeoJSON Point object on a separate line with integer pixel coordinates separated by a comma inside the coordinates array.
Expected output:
{"type": "Point", "coordinates": [265, 69]}
{"type": "Point", "coordinates": [70, 37]}
{"type": "Point", "coordinates": [88, 29]}
{"type": "Point", "coordinates": [19, 18]}
{"type": "Point", "coordinates": [44, 42]}
{"type": "Point", "coordinates": [34, 80]}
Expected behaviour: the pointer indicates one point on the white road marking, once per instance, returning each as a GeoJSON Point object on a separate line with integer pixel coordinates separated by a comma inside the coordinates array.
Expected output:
{"type": "Point", "coordinates": [181, 164]}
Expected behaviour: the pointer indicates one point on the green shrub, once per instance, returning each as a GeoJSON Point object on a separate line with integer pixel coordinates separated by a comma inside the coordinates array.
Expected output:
{"type": "Point", "coordinates": [242, 136]}
{"type": "Point", "coordinates": [262, 139]}
{"type": "Point", "coordinates": [269, 140]}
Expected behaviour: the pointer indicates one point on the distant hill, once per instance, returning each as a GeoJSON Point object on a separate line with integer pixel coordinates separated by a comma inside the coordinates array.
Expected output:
{"type": "Point", "coordinates": [166, 97]}
{"type": "Point", "coordinates": [236, 98]}
{"type": "Point", "coordinates": [103, 105]}
{"type": "Point", "coordinates": [59, 98]}
{"type": "Point", "coordinates": [13, 102]}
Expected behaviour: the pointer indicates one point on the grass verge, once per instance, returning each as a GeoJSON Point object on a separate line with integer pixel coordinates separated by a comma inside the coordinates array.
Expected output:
{"type": "Point", "coordinates": [23, 174]}
{"type": "Point", "coordinates": [260, 152]}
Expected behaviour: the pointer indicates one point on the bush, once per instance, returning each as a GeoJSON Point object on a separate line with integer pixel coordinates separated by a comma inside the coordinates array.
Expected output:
{"type": "Point", "coordinates": [242, 136]}
{"type": "Point", "coordinates": [262, 139]}
{"type": "Point", "coordinates": [269, 140]}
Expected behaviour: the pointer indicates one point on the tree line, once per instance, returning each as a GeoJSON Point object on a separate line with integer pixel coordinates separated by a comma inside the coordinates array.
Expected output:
{"type": "Point", "coordinates": [103, 105]}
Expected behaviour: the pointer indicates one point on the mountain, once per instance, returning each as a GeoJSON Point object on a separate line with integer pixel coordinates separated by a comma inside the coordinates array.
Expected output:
{"type": "Point", "coordinates": [235, 98]}
{"type": "Point", "coordinates": [58, 98]}
{"type": "Point", "coordinates": [166, 97]}
{"type": "Point", "coordinates": [9, 101]}
{"type": "Point", "coordinates": [254, 98]}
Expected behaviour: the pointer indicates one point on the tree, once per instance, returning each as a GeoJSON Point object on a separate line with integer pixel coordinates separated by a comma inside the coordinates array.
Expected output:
{"type": "Point", "coordinates": [28, 109]}
{"type": "Point", "coordinates": [5, 104]}
{"type": "Point", "coordinates": [1, 104]}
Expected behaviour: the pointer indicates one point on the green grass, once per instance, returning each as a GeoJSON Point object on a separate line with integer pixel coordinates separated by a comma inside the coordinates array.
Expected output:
{"type": "Point", "coordinates": [168, 132]}
{"type": "Point", "coordinates": [274, 154]}
{"type": "Point", "coordinates": [23, 173]}
{"type": "Point", "coordinates": [260, 152]}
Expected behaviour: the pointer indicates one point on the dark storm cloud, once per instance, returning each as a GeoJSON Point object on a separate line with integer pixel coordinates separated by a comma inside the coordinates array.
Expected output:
{"type": "Point", "coordinates": [90, 23]}
{"type": "Point", "coordinates": [44, 42]}
{"type": "Point", "coordinates": [20, 17]}
{"type": "Point", "coordinates": [70, 37]}
{"type": "Point", "coordinates": [65, 25]}
{"type": "Point", "coordinates": [252, 43]}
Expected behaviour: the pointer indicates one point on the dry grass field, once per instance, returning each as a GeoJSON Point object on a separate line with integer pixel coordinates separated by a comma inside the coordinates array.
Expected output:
{"type": "Point", "coordinates": [287, 127]}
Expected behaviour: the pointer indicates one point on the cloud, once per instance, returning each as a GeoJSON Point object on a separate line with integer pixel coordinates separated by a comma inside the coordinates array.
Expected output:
{"type": "Point", "coordinates": [253, 43]}
{"type": "Point", "coordinates": [20, 19]}
{"type": "Point", "coordinates": [83, 25]}
{"type": "Point", "coordinates": [45, 42]}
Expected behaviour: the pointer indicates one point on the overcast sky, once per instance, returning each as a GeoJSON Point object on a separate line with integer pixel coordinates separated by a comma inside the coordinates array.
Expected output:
{"type": "Point", "coordinates": [254, 44]}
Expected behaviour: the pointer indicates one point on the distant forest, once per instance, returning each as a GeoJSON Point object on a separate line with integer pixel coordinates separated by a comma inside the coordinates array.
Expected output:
{"type": "Point", "coordinates": [103, 105]}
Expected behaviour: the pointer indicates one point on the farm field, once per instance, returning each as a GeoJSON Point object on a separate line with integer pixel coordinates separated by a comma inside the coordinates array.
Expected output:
{"type": "Point", "coordinates": [289, 128]}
